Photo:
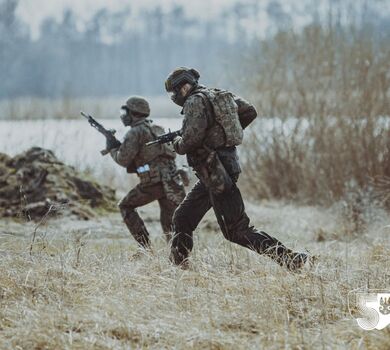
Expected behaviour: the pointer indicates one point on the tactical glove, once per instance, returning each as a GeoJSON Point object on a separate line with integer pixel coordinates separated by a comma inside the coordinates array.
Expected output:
{"type": "Point", "coordinates": [175, 143]}
{"type": "Point", "coordinates": [184, 174]}
{"type": "Point", "coordinates": [112, 143]}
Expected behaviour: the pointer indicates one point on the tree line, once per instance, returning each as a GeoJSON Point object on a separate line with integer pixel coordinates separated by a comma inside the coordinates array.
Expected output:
{"type": "Point", "coordinates": [112, 56]}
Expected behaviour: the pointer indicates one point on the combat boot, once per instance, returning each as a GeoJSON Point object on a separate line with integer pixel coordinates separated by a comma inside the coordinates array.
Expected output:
{"type": "Point", "coordinates": [179, 259]}
{"type": "Point", "coordinates": [142, 237]}
{"type": "Point", "coordinates": [296, 262]}
{"type": "Point", "coordinates": [137, 228]}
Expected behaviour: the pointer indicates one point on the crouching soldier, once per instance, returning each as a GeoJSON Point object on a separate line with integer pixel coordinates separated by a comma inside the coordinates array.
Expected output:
{"type": "Point", "coordinates": [155, 167]}
{"type": "Point", "coordinates": [212, 128]}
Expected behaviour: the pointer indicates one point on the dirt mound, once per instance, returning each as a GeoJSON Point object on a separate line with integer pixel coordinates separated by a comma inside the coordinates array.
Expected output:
{"type": "Point", "coordinates": [35, 182]}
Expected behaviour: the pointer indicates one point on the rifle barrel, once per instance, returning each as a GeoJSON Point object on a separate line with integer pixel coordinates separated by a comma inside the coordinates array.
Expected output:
{"type": "Point", "coordinates": [152, 142]}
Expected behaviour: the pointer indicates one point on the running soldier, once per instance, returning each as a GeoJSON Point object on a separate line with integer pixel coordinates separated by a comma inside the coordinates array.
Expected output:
{"type": "Point", "coordinates": [212, 128]}
{"type": "Point", "coordinates": [155, 166]}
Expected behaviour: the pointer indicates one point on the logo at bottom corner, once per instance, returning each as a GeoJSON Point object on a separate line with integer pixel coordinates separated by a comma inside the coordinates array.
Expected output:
{"type": "Point", "coordinates": [373, 308]}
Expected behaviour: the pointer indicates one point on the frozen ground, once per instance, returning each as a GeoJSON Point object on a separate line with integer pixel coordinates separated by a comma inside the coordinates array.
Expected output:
{"type": "Point", "coordinates": [74, 142]}
{"type": "Point", "coordinates": [80, 287]}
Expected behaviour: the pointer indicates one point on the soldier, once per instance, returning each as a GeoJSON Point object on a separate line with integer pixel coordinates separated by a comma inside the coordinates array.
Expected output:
{"type": "Point", "coordinates": [155, 166]}
{"type": "Point", "coordinates": [212, 128]}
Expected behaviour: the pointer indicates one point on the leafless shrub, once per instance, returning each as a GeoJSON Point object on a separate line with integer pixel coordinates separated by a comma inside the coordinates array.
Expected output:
{"type": "Point", "coordinates": [328, 88]}
{"type": "Point", "coordinates": [381, 190]}
{"type": "Point", "coordinates": [54, 207]}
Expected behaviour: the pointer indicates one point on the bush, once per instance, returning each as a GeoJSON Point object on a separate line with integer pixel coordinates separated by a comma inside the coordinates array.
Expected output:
{"type": "Point", "coordinates": [326, 91]}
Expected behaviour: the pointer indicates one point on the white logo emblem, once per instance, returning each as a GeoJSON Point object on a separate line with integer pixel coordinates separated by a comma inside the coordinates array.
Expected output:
{"type": "Point", "coordinates": [373, 308]}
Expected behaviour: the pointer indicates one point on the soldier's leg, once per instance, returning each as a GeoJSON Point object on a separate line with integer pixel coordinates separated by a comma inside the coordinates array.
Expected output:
{"type": "Point", "coordinates": [185, 220]}
{"type": "Point", "coordinates": [174, 195]}
{"type": "Point", "coordinates": [236, 227]}
{"type": "Point", "coordinates": [167, 208]}
{"type": "Point", "coordinates": [137, 197]}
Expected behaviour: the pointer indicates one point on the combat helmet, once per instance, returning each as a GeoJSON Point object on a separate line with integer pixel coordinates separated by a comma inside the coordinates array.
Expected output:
{"type": "Point", "coordinates": [137, 104]}
{"type": "Point", "coordinates": [176, 79]}
{"type": "Point", "coordinates": [180, 76]}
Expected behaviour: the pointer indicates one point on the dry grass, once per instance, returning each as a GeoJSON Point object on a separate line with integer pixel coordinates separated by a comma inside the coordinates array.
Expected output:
{"type": "Point", "coordinates": [316, 160]}
{"type": "Point", "coordinates": [325, 70]}
{"type": "Point", "coordinates": [328, 89]}
{"type": "Point", "coordinates": [81, 290]}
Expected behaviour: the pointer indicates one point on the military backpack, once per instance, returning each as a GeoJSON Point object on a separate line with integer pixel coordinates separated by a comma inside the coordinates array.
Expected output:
{"type": "Point", "coordinates": [225, 111]}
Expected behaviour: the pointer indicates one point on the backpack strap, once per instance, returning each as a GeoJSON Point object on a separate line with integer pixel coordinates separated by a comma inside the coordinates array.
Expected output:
{"type": "Point", "coordinates": [209, 107]}
{"type": "Point", "coordinates": [163, 147]}
{"type": "Point", "coordinates": [149, 126]}
{"type": "Point", "coordinates": [210, 112]}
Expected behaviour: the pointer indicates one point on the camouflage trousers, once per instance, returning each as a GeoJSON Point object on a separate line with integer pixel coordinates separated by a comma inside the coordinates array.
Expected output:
{"type": "Point", "coordinates": [168, 194]}
{"type": "Point", "coordinates": [232, 219]}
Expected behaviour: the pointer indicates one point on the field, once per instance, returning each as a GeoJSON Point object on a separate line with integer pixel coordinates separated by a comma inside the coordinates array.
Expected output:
{"type": "Point", "coordinates": [78, 286]}
{"type": "Point", "coordinates": [81, 289]}
{"type": "Point", "coordinates": [315, 174]}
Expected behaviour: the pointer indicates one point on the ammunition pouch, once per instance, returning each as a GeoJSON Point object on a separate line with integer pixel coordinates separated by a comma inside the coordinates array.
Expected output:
{"type": "Point", "coordinates": [131, 169]}
{"type": "Point", "coordinates": [148, 174]}
{"type": "Point", "coordinates": [213, 174]}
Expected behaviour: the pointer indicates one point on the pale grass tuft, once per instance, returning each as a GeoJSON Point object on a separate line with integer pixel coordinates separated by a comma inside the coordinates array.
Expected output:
{"type": "Point", "coordinates": [85, 291]}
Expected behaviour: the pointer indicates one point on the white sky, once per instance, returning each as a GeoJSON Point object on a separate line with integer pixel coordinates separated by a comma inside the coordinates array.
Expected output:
{"type": "Point", "coordinates": [33, 11]}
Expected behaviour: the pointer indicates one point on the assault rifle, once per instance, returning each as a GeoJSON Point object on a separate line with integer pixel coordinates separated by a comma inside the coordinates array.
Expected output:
{"type": "Point", "coordinates": [109, 134]}
{"type": "Point", "coordinates": [165, 138]}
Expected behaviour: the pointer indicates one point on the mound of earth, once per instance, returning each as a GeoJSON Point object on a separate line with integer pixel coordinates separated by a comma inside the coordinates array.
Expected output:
{"type": "Point", "coordinates": [35, 184]}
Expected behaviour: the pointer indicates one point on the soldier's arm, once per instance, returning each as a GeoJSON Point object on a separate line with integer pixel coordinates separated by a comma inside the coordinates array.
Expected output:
{"type": "Point", "coordinates": [246, 111]}
{"type": "Point", "coordinates": [194, 126]}
{"type": "Point", "coordinates": [125, 154]}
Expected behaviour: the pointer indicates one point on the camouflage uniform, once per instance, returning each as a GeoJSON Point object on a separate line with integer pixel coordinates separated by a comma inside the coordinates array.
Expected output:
{"type": "Point", "coordinates": [199, 130]}
{"type": "Point", "coordinates": [161, 182]}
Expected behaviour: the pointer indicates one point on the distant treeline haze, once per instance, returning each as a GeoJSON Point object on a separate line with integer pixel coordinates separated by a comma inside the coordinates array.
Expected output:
{"type": "Point", "coordinates": [115, 54]}
{"type": "Point", "coordinates": [108, 58]}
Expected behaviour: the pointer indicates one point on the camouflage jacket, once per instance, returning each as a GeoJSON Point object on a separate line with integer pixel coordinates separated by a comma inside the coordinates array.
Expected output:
{"type": "Point", "coordinates": [199, 129]}
{"type": "Point", "coordinates": [133, 153]}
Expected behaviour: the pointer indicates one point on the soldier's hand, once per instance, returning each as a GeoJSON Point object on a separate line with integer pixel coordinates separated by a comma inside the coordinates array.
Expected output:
{"type": "Point", "coordinates": [175, 143]}
{"type": "Point", "coordinates": [184, 175]}
{"type": "Point", "coordinates": [112, 143]}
